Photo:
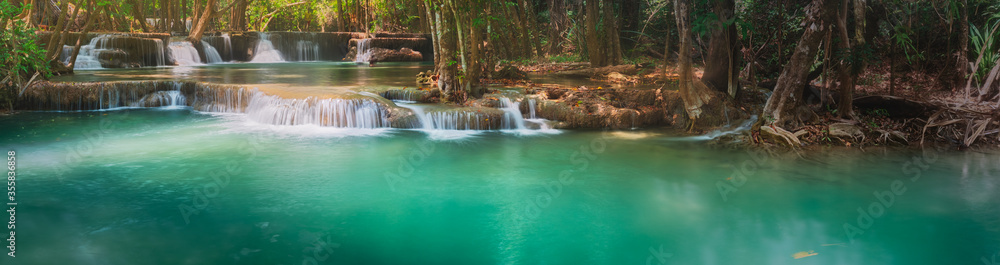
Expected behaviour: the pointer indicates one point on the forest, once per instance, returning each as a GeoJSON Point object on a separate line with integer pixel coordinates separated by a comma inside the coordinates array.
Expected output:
{"type": "Point", "coordinates": [467, 132]}
{"type": "Point", "coordinates": [814, 58]}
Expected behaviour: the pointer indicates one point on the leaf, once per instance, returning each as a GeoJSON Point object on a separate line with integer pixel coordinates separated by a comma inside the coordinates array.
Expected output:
{"type": "Point", "coordinates": [803, 254]}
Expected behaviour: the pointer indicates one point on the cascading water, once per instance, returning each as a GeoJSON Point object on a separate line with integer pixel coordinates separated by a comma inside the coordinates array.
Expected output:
{"type": "Point", "coordinates": [364, 51]}
{"type": "Point", "coordinates": [508, 117]}
{"type": "Point", "coordinates": [425, 122]}
{"type": "Point", "coordinates": [85, 60]}
{"type": "Point", "coordinates": [308, 50]}
{"type": "Point", "coordinates": [87, 57]}
{"type": "Point", "coordinates": [330, 112]}
{"type": "Point", "coordinates": [118, 50]}
{"type": "Point", "coordinates": [228, 44]}
{"type": "Point", "coordinates": [169, 99]}
{"type": "Point", "coordinates": [533, 118]}
{"type": "Point", "coordinates": [265, 52]}
{"type": "Point", "coordinates": [512, 117]}
{"type": "Point", "coordinates": [185, 54]}
{"type": "Point", "coordinates": [211, 54]}
{"type": "Point", "coordinates": [531, 109]}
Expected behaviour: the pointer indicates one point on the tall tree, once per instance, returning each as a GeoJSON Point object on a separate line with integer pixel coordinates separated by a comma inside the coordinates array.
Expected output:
{"type": "Point", "coordinates": [603, 45]}
{"type": "Point", "coordinates": [849, 70]}
{"type": "Point", "coordinates": [198, 29]}
{"type": "Point", "coordinates": [613, 48]}
{"type": "Point", "coordinates": [238, 16]}
{"type": "Point", "coordinates": [962, 56]}
{"type": "Point", "coordinates": [595, 47]}
{"type": "Point", "coordinates": [785, 101]}
{"type": "Point", "coordinates": [557, 25]}
{"type": "Point", "coordinates": [54, 38]}
{"type": "Point", "coordinates": [91, 16]}
{"type": "Point", "coordinates": [722, 66]}
{"type": "Point", "coordinates": [692, 91]}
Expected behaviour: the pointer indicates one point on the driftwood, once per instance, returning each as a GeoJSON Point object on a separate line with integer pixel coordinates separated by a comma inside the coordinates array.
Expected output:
{"type": "Point", "coordinates": [963, 125]}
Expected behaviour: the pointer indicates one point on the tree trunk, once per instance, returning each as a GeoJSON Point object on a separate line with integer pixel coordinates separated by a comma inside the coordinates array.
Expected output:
{"type": "Point", "coordinates": [195, 11]}
{"type": "Point", "coordinates": [666, 58]}
{"type": "Point", "coordinates": [530, 20]}
{"type": "Point", "coordinates": [460, 37]}
{"type": "Point", "coordinates": [786, 98]}
{"type": "Point", "coordinates": [168, 24]}
{"type": "Point", "coordinates": [692, 91]}
{"type": "Point", "coordinates": [722, 70]}
{"type": "Point", "coordinates": [595, 47]}
{"type": "Point", "coordinates": [557, 24]}
{"type": "Point", "coordinates": [445, 68]}
{"type": "Point", "coordinates": [139, 13]}
{"type": "Point", "coordinates": [845, 74]}
{"type": "Point", "coordinates": [53, 40]}
{"type": "Point", "coordinates": [845, 106]}
{"type": "Point", "coordinates": [91, 14]}
{"type": "Point", "coordinates": [65, 31]}
{"type": "Point", "coordinates": [962, 58]}
{"type": "Point", "coordinates": [892, 68]}
{"type": "Point", "coordinates": [238, 17]}
{"type": "Point", "coordinates": [198, 29]}
{"type": "Point", "coordinates": [613, 46]}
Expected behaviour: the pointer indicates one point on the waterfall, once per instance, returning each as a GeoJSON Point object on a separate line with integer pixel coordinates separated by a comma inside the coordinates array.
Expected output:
{"type": "Point", "coordinates": [425, 122]}
{"type": "Point", "coordinates": [308, 50]}
{"type": "Point", "coordinates": [117, 50]}
{"type": "Point", "coordinates": [364, 52]}
{"type": "Point", "coordinates": [170, 99]}
{"type": "Point", "coordinates": [531, 109]}
{"type": "Point", "coordinates": [185, 53]}
{"type": "Point", "coordinates": [745, 126]}
{"type": "Point", "coordinates": [85, 60]}
{"type": "Point", "coordinates": [161, 54]}
{"type": "Point", "coordinates": [462, 120]}
{"type": "Point", "coordinates": [265, 52]}
{"type": "Point", "coordinates": [223, 100]}
{"type": "Point", "coordinates": [228, 44]}
{"type": "Point", "coordinates": [508, 117]}
{"type": "Point", "coordinates": [357, 112]}
{"type": "Point", "coordinates": [533, 118]}
{"type": "Point", "coordinates": [512, 117]}
{"type": "Point", "coordinates": [211, 54]}
{"type": "Point", "coordinates": [331, 112]}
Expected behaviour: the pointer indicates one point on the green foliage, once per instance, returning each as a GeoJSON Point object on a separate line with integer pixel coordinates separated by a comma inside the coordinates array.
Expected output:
{"type": "Point", "coordinates": [901, 38]}
{"type": "Point", "coordinates": [20, 56]}
{"type": "Point", "coordinates": [986, 44]}
{"type": "Point", "coordinates": [769, 29]}
{"type": "Point", "coordinates": [565, 58]}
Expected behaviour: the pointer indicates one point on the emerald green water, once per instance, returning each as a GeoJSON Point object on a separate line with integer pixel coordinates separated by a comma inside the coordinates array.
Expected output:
{"type": "Point", "coordinates": [137, 187]}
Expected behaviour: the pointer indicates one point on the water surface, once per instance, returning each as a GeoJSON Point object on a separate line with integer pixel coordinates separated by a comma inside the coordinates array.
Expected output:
{"type": "Point", "coordinates": [176, 186]}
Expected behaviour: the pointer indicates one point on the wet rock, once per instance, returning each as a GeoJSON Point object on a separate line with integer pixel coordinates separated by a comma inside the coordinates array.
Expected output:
{"type": "Point", "coordinates": [403, 118]}
{"type": "Point", "coordinates": [412, 94]}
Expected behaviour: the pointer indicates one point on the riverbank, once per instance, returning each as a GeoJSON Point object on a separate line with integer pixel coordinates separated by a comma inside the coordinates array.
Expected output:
{"type": "Point", "coordinates": [566, 98]}
{"type": "Point", "coordinates": [918, 112]}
